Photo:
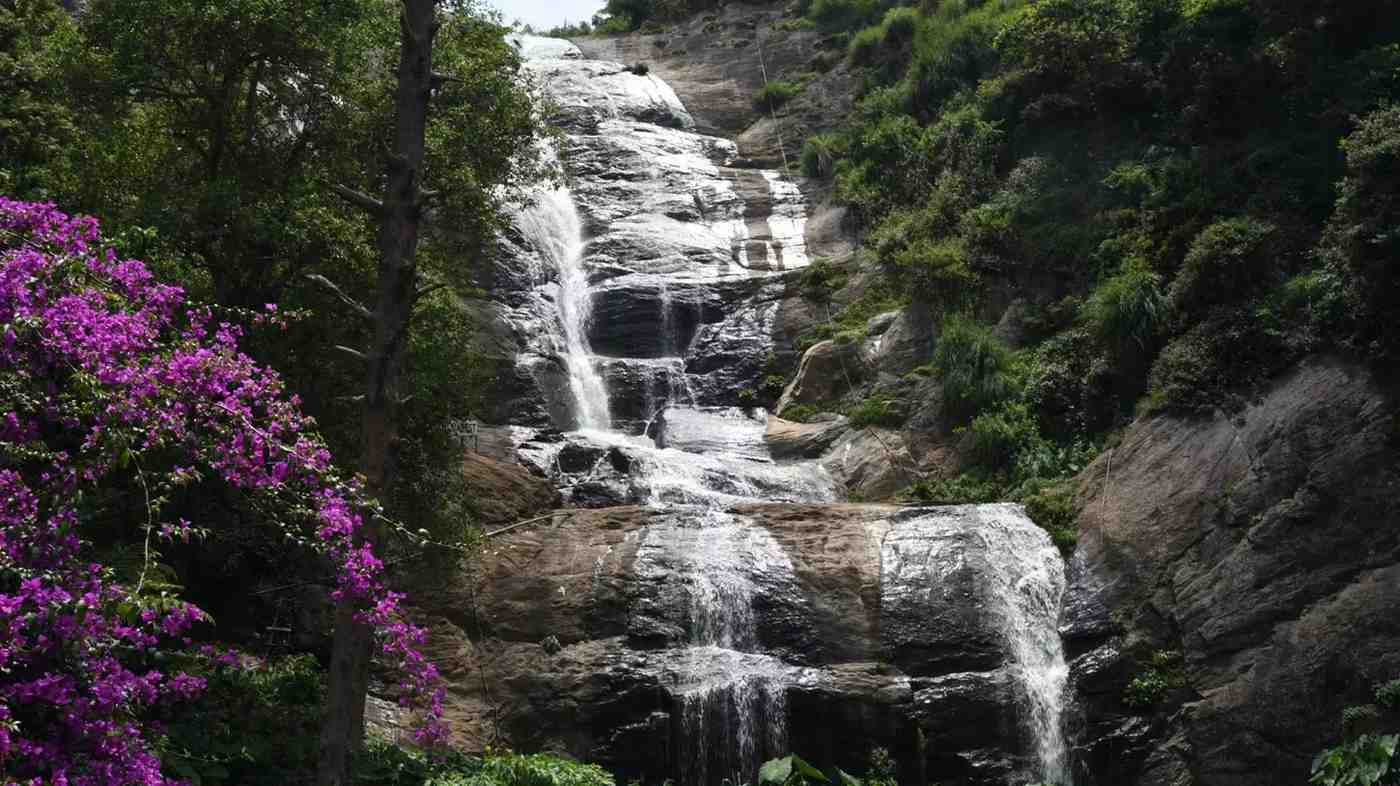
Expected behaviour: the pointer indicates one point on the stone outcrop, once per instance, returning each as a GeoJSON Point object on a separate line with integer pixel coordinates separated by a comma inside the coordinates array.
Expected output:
{"type": "Point", "coordinates": [717, 63]}
{"type": "Point", "coordinates": [871, 622]}
{"type": "Point", "coordinates": [1265, 548]}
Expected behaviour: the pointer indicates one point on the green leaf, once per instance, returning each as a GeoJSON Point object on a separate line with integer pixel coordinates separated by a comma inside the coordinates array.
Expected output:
{"type": "Point", "coordinates": [775, 771]}
{"type": "Point", "coordinates": [808, 772]}
{"type": "Point", "coordinates": [847, 779]}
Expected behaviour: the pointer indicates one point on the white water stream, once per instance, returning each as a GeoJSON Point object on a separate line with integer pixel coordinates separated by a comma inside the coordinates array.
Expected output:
{"type": "Point", "coordinates": [552, 224]}
{"type": "Point", "coordinates": [730, 697]}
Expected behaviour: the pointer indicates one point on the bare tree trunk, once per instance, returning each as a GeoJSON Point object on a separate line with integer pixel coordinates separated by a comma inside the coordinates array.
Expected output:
{"type": "Point", "coordinates": [343, 731]}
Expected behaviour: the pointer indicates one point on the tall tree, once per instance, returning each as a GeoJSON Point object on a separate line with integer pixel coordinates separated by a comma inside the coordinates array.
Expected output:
{"type": "Point", "coordinates": [400, 214]}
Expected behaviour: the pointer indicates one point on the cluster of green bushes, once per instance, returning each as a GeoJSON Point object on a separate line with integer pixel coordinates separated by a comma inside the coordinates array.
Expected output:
{"type": "Point", "coordinates": [1197, 193]}
{"type": "Point", "coordinates": [1366, 756]}
{"type": "Point", "coordinates": [257, 723]}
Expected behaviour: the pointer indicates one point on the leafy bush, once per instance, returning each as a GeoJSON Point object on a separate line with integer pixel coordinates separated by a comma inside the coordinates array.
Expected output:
{"type": "Point", "coordinates": [974, 367]}
{"type": "Point", "coordinates": [1126, 312]}
{"type": "Point", "coordinates": [964, 489]}
{"type": "Point", "coordinates": [801, 413]}
{"type": "Point", "coordinates": [1000, 434]}
{"type": "Point", "coordinates": [1215, 362]}
{"type": "Point", "coordinates": [774, 95]}
{"type": "Point", "coordinates": [385, 764]}
{"type": "Point", "coordinates": [1366, 760]}
{"type": "Point", "coordinates": [1164, 674]}
{"type": "Point", "coordinates": [1361, 242]}
{"type": "Point", "coordinates": [885, 45]}
{"type": "Point", "coordinates": [1388, 695]}
{"type": "Point", "coordinates": [256, 723]}
{"type": "Point", "coordinates": [876, 411]}
{"type": "Point", "coordinates": [819, 155]}
{"type": "Point", "coordinates": [1052, 508]}
{"type": "Point", "coordinates": [1227, 259]}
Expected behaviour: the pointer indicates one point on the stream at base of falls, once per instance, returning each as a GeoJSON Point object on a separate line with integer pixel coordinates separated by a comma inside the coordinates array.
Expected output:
{"type": "Point", "coordinates": [685, 452]}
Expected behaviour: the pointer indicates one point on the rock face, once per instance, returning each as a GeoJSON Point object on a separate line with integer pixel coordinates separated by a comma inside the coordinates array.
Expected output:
{"type": "Point", "coordinates": [686, 246]}
{"type": "Point", "coordinates": [608, 634]}
{"type": "Point", "coordinates": [717, 62]}
{"type": "Point", "coordinates": [1265, 548]}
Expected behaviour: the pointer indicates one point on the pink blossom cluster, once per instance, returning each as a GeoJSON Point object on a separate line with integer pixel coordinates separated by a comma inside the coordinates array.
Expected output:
{"type": "Point", "coordinates": [105, 372]}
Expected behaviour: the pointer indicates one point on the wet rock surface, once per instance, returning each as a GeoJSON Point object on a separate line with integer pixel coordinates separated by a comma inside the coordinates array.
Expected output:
{"type": "Point", "coordinates": [579, 635]}
{"type": "Point", "coordinates": [1262, 547]}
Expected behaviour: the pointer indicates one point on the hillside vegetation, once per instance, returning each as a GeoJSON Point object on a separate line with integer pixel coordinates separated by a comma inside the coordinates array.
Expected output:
{"type": "Point", "coordinates": [1189, 196]}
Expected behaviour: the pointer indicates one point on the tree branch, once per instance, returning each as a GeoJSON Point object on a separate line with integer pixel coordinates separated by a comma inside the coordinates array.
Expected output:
{"type": "Point", "coordinates": [354, 353]}
{"type": "Point", "coordinates": [361, 200]}
{"type": "Point", "coordinates": [351, 303]}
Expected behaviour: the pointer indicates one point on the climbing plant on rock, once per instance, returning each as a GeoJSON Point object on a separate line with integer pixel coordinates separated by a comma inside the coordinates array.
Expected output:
{"type": "Point", "coordinates": [110, 380]}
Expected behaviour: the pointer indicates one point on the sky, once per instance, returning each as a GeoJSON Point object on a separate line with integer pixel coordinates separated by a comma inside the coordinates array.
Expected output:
{"type": "Point", "coordinates": [544, 14]}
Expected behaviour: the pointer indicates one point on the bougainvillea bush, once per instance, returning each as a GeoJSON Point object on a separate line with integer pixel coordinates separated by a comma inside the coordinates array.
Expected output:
{"type": "Point", "coordinates": [111, 380]}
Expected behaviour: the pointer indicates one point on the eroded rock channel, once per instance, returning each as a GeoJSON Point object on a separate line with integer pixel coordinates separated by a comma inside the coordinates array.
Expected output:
{"type": "Point", "coordinates": [707, 605]}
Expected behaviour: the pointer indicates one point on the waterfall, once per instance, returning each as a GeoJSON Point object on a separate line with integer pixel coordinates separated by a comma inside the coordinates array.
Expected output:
{"type": "Point", "coordinates": [553, 225]}
{"type": "Point", "coordinates": [1028, 584]}
{"type": "Point", "coordinates": [643, 176]}
{"type": "Point", "coordinates": [731, 699]}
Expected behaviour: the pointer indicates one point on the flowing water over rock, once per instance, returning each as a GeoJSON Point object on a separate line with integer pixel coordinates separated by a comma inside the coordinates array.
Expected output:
{"type": "Point", "coordinates": [646, 296]}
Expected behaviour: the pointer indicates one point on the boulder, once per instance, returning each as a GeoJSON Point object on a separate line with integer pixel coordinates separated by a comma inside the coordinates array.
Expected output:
{"type": "Point", "coordinates": [501, 493]}
{"type": "Point", "coordinates": [788, 439]}
{"type": "Point", "coordinates": [827, 371]}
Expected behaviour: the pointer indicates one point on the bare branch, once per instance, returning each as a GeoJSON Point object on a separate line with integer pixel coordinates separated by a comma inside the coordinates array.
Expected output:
{"type": "Point", "coordinates": [425, 291]}
{"type": "Point", "coordinates": [354, 353]}
{"type": "Point", "coordinates": [358, 199]}
{"type": "Point", "coordinates": [351, 303]}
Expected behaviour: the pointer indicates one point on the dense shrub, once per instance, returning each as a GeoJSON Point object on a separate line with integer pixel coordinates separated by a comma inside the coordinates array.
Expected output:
{"type": "Point", "coordinates": [876, 411]}
{"type": "Point", "coordinates": [774, 95]}
{"type": "Point", "coordinates": [1361, 241]}
{"type": "Point", "coordinates": [385, 764]}
{"type": "Point", "coordinates": [1052, 508]}
{"type": "Point", "coordinates": [1127, 311]}
{"type": "Point", "coordinates": [885, 45]}
{"type": "Point", "coordinates": [1164, 673]}
{"type": "Point", "coordinates": [819, 155]}
{"type": "Point", "coordinates": [256, 723]}
{"type": "Point", "coordinates": [974, 367]}
{"type": "Point", "coordinates": [1227, 260]}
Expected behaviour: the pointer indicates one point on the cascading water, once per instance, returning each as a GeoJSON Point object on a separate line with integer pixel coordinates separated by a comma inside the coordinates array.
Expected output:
{"type": "Point", "coordinates": [1029, 590]}
{"type": "Point", "coordinates": [553, 226]}
{"type": "Point", "coordinates": [694, 460]}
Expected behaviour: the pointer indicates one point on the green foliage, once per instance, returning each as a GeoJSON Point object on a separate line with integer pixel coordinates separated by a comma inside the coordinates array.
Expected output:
{"type": "Point", "coordinates": [791, 770]}
{"type": "Point", "coordinates": [837, 15]}
{"type": "Point", "coordinates": [801, 413]}
{"type": "Point", "coordinates": [1361, 243]}
{"type": "Point", "coordinates": [568, 30]}
{"type": "Point", "coordinates": [999, 434]}
{"type": "Point", "coordinates": [819, 155]}
{"type": "Point", "coordinates": [886, 45]}
{"type": "Point", "coordinates": [1366, 760]}
{"type": "Point", "coordinates": [974, 367]}
{"type": "Point", "coordinates": [1127, 311]}
{"type": "Point", "coordinates": [36, 124]}
{"type": "Point", "coordinates": [1052, 508]}
{"type": "Point", "coordinates": [965, 489]}
{"type": "Point", "coordinates": [876, 411]}
{"type": "Point", "coordinates": [250, 726]}
{"type": "Point", "coordinates": [385, 764]}
{"type": "Point", "coordinates": [1227, 259]}
{"type": "Point", "coordinates": [881, 771]}
{"type": "Point", "coordinates": [774, 95]}
{"type": "Point", "coordinates": [1388, 695]}
{"type": "Point", "coordinates": [1165, 673]}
